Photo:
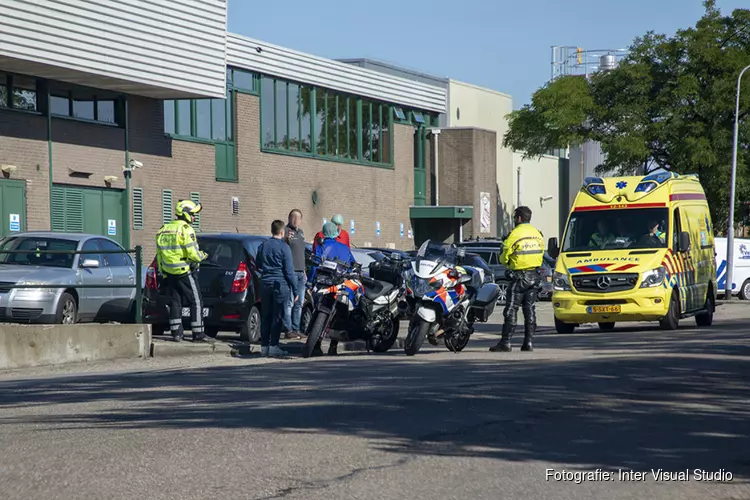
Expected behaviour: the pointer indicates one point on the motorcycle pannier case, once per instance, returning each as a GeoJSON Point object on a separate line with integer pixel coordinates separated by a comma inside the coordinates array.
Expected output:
{"type": "Point", "coordinates": [383, 271]}
{"type": "Point", "coordinates": [484, 305]}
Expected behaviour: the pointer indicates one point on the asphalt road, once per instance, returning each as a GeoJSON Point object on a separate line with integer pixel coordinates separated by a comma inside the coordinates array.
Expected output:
{"type": "Point", "coordinates": [437, 426]}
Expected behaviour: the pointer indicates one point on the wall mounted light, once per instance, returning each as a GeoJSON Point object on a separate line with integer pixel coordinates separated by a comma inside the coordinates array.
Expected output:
{"type": "Point", "coordinates": [8, 170]}
{"type": "Point", "coordinates": [110, 179]}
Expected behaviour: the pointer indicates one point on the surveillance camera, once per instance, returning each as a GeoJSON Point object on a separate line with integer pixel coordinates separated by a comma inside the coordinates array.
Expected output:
{"type": "Point", "coordinates": [135, 164]}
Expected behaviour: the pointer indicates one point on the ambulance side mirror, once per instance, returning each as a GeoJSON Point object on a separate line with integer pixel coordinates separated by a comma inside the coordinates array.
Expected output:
{"type": "Point", "coordinates": [684, 242]}
{"type": "Point", "coordinates": [553, 248]}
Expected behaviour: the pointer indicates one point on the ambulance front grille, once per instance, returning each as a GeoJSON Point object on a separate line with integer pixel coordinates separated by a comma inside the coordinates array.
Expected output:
{"type": "Point", "coordinates": [605, 283]}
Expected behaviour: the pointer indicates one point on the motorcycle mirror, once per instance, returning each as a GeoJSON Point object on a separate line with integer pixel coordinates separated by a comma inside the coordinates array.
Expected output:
{"type": "Point", "coordinates": [453, 274]}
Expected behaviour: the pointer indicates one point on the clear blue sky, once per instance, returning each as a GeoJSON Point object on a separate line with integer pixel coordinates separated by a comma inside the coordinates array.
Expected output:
{"type": "Point", "coordinates": [503, 45]}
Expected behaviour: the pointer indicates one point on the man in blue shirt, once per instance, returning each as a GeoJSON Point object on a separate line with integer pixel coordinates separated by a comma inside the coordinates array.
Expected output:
{"type": "Point", "coordinates": [277, 281]}
{"type": "Point", "coordinates": [331, 249]}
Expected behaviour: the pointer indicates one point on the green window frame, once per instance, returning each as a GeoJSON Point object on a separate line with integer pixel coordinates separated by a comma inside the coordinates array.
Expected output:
{"type": "Point", "coordinates": [20, 93]}
{"type": "Point", "coordinates": [245, 82]}
{"type": "Point", "coordinates": [63, 105]}
{"type": "Point", "coordinates": [342, 127]}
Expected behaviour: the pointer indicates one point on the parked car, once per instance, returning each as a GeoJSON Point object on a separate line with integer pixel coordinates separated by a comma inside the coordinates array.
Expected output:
{"type": "Point", "coordinates": [495, 243]}
{"type": "Point", "coordinates": [65, 305]}
{"type": "Point", "coordinates": [229, 283]}
{"type": "Point", "coordinates": [388, 251]}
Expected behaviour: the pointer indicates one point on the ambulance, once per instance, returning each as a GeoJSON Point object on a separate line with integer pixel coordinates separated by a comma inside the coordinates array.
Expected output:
{"type": "Point", "coordinates": [636, 249]}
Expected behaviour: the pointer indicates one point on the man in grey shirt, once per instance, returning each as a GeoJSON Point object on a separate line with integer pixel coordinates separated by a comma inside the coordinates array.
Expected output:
{"type": "Point", "coordinates": [295, 238]}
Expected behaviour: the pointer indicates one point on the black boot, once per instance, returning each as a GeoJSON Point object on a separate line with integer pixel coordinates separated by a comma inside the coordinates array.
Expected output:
{"type": "Point", "coordinates": [504, 344]}
{"type": "Point", "coordinates": [528, 338]}
{"type": "Point", "coordinates": [333, 348]}
{"type": "Point", "coordinates": [177, 337]}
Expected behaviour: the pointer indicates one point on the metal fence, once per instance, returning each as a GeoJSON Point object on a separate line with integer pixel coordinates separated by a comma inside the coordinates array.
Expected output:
{"type": "Point", "coordinates": [137, 251]}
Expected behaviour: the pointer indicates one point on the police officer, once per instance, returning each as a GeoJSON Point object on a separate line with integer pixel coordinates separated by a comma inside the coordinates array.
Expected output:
{"type": "Point", "coordinates": [522, 255]}
{"type": "Point", "coordinates": [178, 256]}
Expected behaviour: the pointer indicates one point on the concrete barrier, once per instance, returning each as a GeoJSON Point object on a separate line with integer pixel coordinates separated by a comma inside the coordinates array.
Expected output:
{"type": "Point", "coordinates": [36, 345]}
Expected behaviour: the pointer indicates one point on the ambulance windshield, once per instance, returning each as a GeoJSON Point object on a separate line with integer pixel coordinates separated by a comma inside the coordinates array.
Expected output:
{"type": "Point", "coordinates": [639, 228]}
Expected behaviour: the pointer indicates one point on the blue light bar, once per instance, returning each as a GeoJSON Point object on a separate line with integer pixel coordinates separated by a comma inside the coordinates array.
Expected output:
{"type": "Point", "coordinates": [660, 178]}
{"type": "Point", "coordinates": [646, 187]}
{"type": "Point", "coordinates": [592, 180]}
{"type": "Point", "coordinates": [595, 189]}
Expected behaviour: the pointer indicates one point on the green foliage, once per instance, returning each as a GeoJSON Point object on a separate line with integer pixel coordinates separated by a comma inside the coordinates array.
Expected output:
{"type": "Point", "coordinates": [670, 103]}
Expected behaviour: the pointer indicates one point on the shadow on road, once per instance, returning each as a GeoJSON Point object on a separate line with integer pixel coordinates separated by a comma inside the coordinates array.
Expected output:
{"type": "Point", "coordinates": [641, 411]}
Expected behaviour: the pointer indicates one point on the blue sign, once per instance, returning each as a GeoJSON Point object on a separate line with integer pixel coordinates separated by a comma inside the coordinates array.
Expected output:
{"type": "Point", "coordinates": [112, 227]}
{"type": "Point", "coordinates": [15, 223]}
{"type": "Point", "coordinates": [377, 228]}
{"type": "Point", "coordinates": [402, 230]}
{"type": "Point", "coordinates": [351, 226]}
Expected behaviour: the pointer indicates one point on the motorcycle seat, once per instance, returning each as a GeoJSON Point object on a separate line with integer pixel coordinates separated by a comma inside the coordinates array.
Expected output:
{"type": "Point", "coordinates": [375, 288]}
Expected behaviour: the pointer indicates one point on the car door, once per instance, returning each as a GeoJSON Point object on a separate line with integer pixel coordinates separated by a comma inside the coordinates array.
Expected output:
{"type": "Point", "coordinates": [123, 273]}
{"type": "Point", "coordinates": [93, 271]}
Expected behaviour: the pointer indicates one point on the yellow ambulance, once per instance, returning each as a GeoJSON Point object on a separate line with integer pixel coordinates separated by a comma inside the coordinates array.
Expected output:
{"type": "Point", "coordinates": [636, 249]}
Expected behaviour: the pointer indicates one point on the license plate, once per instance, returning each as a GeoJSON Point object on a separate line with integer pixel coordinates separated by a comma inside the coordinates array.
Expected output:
{"type": "Point", "coordinates": [186, 312]}
{"type": "Point", "coordinates": [604, 309]}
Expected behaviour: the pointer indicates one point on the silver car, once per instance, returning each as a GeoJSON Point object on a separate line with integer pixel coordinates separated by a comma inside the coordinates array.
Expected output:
{"type": "Point", "coordinates": [64, 305]}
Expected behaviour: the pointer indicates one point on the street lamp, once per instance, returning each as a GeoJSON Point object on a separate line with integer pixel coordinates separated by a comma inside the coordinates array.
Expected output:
{"type": "Point", "coordinates": [730, 229]}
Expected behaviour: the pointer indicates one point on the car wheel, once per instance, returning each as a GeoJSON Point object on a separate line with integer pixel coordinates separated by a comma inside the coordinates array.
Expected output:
{"type": "Point", "coordinates": [745, 290]}
{"type": "Point", "coordinates": [67, 310]}
{"type": "Point", "coordinates": [707, 318]}
{"type": "Point", "coordinates": [672, 320]}
{"type": "Point", "coordinates": [251, 329]}
{"type": "Point", "coordinates": [502, 297]}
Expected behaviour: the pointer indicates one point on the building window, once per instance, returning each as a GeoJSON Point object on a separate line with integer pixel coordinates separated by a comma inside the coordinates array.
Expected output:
{"type": "Point", "coordinates": [243, 81]}
{"type": "Point", "coordinates": [89, 108]}
{"type": "Point", "coordinates": [18, 92]}
{"type": "Point", "coordinates": [323, 123]}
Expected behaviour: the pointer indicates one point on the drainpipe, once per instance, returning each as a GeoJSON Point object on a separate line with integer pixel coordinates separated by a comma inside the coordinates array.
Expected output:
{"type": "Point", "coordinates": [518, 177]}
{"type": "Point", "coordinates": [435, 136]}
{"type": "Point", "coordinates": [49, 153]}
{"type": "Point", "coordinates": [127, 173]}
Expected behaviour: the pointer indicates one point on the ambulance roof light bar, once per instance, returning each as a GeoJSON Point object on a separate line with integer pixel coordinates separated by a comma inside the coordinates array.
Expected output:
{"type": "Point", "coordinates": [594, 185]}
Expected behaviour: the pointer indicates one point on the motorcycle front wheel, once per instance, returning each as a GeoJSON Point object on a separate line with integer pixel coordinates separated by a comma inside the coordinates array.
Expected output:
{"type": "Point", "coordinates": [415, 338]}
{"type": "Point", "coordinates": [387, 339]}
{"type": "Point", "coordinates": [315, 334]}
{"type": "Point", "coordinates": [456, 342]}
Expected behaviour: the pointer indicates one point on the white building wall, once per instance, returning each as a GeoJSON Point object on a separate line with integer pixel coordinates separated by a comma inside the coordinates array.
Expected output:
{"type": "Point", "coordinates": [583, 162]}
{"type": "Point", "coordinates": [169, 48]}
{"type": "Point", "coordinates": [269, 59]}
{"type": "Point", "coordinates": [539, 179]}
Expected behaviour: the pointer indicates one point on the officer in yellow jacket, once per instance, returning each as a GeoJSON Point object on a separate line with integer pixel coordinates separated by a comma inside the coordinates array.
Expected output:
{"type": "Point", "coordinates": [522, 256]}
{"type": "Point", "coordinates": [178, 256]}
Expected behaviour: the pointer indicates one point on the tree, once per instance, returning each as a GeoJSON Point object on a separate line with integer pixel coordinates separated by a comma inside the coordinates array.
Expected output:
{"type": "Point", "coordinates": [669, 103]}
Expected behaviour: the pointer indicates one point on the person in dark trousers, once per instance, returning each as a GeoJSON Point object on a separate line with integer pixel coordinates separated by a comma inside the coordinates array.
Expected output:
{"type": "Point", "coordinates": [277, 281]}
{"type": "Point", "coordinates": [178, 257]}
{"type": "Point", "coordinates": [522, 255]}
{"type": "Point", "coordinates": [295, 238]}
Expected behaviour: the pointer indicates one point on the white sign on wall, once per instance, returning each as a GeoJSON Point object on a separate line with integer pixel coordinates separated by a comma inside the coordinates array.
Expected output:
{"type": "Point", "coordinates": [112, 227]}
{"type": "Point", "coordinates": [377, 228]}
{"type": "Point", "coordinates": [351, 226]}
{"type": "Point", "coordinates": [485, 211]}
{"type": "Point", "coordinates": [15, 222]}
{"type": "Point", "coordinates": [402, 230]}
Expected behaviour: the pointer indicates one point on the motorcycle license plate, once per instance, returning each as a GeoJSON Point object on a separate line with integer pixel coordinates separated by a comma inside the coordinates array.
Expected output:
{"type": "Point", "coordinates": [603, 309]}
{"type": "Point", "coordinates": [186, 312]}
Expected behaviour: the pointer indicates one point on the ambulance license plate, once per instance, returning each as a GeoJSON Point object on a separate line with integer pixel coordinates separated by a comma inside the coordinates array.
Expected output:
{"type": "Point", "coordinates": [603, 309]}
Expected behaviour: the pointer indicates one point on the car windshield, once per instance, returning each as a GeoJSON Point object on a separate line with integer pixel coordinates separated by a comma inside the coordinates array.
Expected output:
{"type": "Point", "coordinates": [640, 228]}
{"type": "Point", "coordinates": [38, 259]}
{"type": "Point", "coordinates": [225, 253]}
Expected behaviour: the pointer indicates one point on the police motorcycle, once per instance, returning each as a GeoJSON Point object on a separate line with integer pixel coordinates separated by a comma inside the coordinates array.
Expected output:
{"type": "Point", "coordinates": [349, 306]}
{"type": "Point", "coordinates": [450, 298]}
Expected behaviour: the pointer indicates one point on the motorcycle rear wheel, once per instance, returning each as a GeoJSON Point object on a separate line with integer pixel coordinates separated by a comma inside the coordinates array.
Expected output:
{"type": "Point", "coordinates": [315, 334]}
{"type": "Point", "coordinates": [386, 341]}
{"type": "Point", "coordinates": [415, 338]}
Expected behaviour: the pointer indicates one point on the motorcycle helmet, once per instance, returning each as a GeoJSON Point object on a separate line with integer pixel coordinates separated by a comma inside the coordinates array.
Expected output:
{"type": "Point", "coordinates": [187, 210]}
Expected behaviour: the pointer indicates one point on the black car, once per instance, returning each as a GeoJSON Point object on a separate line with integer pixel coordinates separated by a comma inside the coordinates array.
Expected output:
{"type": "Point", "coordinates": [388, 252]}
{"type": "Point", "coordinates": [229, 282]}
{"type": "Point", "coordinates": [483, 243]}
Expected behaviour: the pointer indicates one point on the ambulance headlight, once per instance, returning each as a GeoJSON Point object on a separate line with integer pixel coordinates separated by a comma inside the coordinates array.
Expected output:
{"type": "Point", "coordinates": [560, 281]}
{"type": "Point", "coordinates": [654, 277]}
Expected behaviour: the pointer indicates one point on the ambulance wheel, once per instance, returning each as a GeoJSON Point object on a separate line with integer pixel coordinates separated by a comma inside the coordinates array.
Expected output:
{"type": "Point", "coordinates": [564, 327]}
{"type": "Point", "coordinates": [707, 318]}
{"type": "Point", "coordinates": [607, 327]}
{"type": "Point", "coordinates": [672, 320]}
{"type": "Point", "coordinates": [745, 290]}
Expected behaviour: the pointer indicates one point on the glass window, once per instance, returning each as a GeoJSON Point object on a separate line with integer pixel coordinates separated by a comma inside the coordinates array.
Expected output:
{"type": "Point", "coordinates": [91, 246]}
{"type": "Point", "coordinates": [615, 229]}
{"type": "Point", "coordinates": [114, 259]}
{"type": "Point", "coordinates": [293, 116]}
{"type": "Point", "coordinates": [219, 119]}
{"type": "Point", "coordinates": [183, 118]}
{"type": "Point", "coordinates": [229, 113]}
{"type": "Point", "coordinates": [418, 117]}
{"type": "Point", "coordinates": [3, 94]}
{"type": "Point", "coordinates": [203, 118]}
{"type": "Point", "coordinates": [59, 105]}
{"type": "Point", "coordinates": [366, 130]}
{"type": "Point", "coordinates": [321, 119]}
{"type": "Point", "coordinates": [267, 105]}
{"type": "Point", "coordinates": [105, 111]}
{"type": "Point", "coordinates": [282, 139]}
{"type": "Point", "coordinates": [38, 259]}
{"type": "Point", "coordinates": [83, 109]}
{"type": "Point", "coordinates": [399, 114]}
{"type": "Point", "coordinates": [377, 117]}
{"type": "Point", "coordinates": [306, 94]}
{"type": "Point", "coordinates": [169, 116]}
{"type": "Point", "coordinates": [342, 112]}
{"type": "Point", "coordinates": [676, 228]}
{"type": "Point", "coordinates": [351, 129]}
{"type": "Point", "coordinates": [243, 80]}
{"type": "Point", "coordinates": [385, 136]}
{"type": "Point", "coordinates": [24, 93]}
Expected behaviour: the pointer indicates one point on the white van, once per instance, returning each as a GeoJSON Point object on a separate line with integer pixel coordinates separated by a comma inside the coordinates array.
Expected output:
{"type": "Point", "coordinates": [741, 269]}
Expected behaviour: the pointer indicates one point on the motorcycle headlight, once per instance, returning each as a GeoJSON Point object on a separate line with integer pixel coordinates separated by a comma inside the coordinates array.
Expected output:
{"type": "Point", "coordinates": [654, 277]}
{"type": "Point", "coordinates": [421, 286]}
{"type": "Point", "coordinates": [560, 281]}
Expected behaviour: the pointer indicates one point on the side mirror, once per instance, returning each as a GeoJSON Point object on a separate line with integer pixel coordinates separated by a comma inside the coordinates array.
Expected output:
{"type": "Point", "coordinates": [464, 279]}
{"type": "Point", "coordinates": [553, 248]}
{"type": "Point", "coordinates": [90, 264]}
{"type": "Point", "coordinates": [396, 256]}
{"type": "Point", "coordinates": [684, 242]}
{"type": "Point", "coordinates": [453, 274]}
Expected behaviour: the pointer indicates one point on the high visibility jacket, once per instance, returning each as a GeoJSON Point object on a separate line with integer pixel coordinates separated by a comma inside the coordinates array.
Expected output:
{"type": "Point", "coordinates": [599, 241]}
{"type": "Point", "coordinates": [523, 249]}
{"type": "Point", "coordinates": [177, 248]}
